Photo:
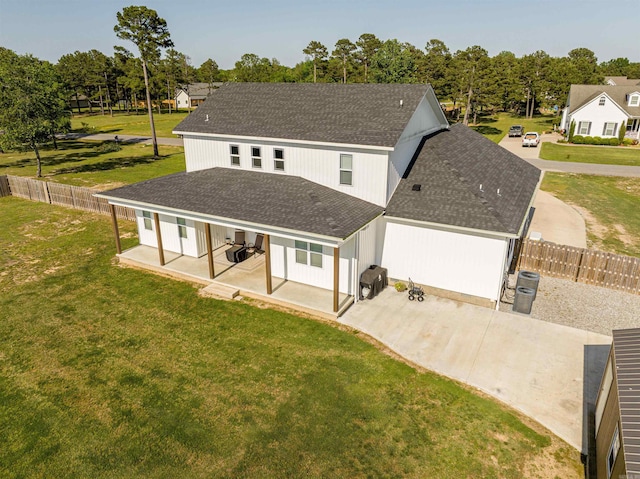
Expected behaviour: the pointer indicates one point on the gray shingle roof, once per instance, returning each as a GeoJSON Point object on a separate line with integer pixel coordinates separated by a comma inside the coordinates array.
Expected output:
{"type": "Point", "coordinates": [579, 95]}
{"type": "Point", "coordinates": [450, 167]}
{"type": "Point", "coordinates": [357, 114]}
{"type": "Point", "coordinates": [200, 90]}
{"type": "Point", "coordinates": [626, 350]}
{"type": "Point", "coordinates": [267, 199]}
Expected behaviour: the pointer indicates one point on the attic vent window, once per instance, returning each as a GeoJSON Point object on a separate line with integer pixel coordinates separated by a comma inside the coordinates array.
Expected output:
{"type": "Point", "coordinates": [602, 101]}
{"type": "Point", "coordinates": [416, 187]}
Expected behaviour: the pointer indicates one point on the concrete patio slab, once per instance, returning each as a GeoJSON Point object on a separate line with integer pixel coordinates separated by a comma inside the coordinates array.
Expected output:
{"type": "Point", "coordinates": [557, 221]}
{"type": "Point", "coordinates": [542, 369]}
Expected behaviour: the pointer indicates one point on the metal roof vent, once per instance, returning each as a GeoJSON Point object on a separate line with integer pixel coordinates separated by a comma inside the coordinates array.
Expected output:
{"type": "Point", "coordinates": [401, 102]}
{"type": "Point", "coordinates": [416, 187]}
{"type": "Point", "coordinates": [206, 118]}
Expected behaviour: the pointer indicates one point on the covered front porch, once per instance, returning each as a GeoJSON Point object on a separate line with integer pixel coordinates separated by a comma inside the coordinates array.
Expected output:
{"type": "Point", "coordinates": [247, 277]}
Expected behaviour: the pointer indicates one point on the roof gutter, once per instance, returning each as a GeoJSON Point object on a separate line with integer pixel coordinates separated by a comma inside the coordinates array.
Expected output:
{"type": "Point", "coordinates": [325, 240]}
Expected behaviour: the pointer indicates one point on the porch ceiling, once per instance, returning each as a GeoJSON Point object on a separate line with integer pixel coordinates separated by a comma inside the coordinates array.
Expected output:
{"type": "Point", "coordinates": [274, 200]}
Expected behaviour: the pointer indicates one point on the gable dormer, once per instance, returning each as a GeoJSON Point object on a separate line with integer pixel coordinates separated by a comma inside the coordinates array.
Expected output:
{"type": "Point", "coordinates": [633, 99]}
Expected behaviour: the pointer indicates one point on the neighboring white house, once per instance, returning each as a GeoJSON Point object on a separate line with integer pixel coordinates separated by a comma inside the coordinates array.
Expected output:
{"type": "Point", "coordinates": [194, 94]}
{"type": "Point", "coordinates": [338, 178]}
{"type": "Point", "coordinates": [602, 110]}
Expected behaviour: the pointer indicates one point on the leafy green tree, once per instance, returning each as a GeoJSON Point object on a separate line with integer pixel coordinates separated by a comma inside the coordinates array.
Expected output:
{"type": "Point", "coordinates": [32, 103]}
{"type": "Point", "coordinates": [318, 53]}
{"type": "Point", "coordinates": [437, 66]}
{"type": "Point", "coordinates": [508, 91]}
{"type": "Point", "coordinates": [344, 51]}
{"type": "Point", "coordinates": [393, 63]}
{"type": "Point", "coordinates": [368, 44]}
{"type": "Point", "coordinates": [572, 131]}
{"type": "Point", "coordinates": [209, 72]}
{"type": "Point", "coordinates": [74, 73]}
{"type": "Point", "coordinates": [252, 68]}
{"type": "Point", "coordinates": [533, 74]}
{"type": "Point", "coordinates": [128, 71]}
{"type": "Point", "coordinates": [584, 67]}
{"type": "Point", "coordinates": [149, 32]}
{"type": "Point", "coordinates": [472, 68]}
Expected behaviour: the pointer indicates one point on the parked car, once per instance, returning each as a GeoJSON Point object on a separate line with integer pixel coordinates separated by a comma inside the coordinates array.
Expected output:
{"type": "Point", "coordinates": [516, 130]}
{"type": "Point", "coordinates": [531, 138]}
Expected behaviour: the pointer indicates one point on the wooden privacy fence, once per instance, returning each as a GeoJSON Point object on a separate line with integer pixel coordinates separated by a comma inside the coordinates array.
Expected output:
{"type": "Point", "coordinates": [594, 267]}
{"type": "Point", "coordinates": [61, 195]}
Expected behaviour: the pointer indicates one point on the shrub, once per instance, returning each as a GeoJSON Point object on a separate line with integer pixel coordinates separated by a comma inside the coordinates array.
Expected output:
{"type": "Point", "coordinates": [627, 142]}
{"type": "Point", "coordinates": [86, 128]}
{"type": "Point", "coordinates": [108, 147]}
{"type": "Point", "coordinates": [577, 139]}
{"type": "Point", "coordinates": [614, 141]}
{"type": "Point", "coordinates": [621, 132]}
{"type": "Point", "coordinates": [572, 129]}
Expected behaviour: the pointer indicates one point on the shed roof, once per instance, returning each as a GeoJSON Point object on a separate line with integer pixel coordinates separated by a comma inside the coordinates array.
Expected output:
{"type": "Point", "coordinates": [354, 114]}
{"type": "Point", "coordinates": [460, 173]}
{"type": "Point", "coordinates": [626, 351]}
{"type": "Point", "coordinates": [580, 95]}
{"type": "Point", "coordinates": [275, 200]}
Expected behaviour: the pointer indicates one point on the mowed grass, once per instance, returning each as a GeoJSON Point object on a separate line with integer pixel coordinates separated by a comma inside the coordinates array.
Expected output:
{"type": "Point", "coordinates": [130, 123]}
{"type": "Point", "coordinates": [83, 163]}
{"type": "Point", "coordinates": [610, 205]}
{"type": "Point", "coordinates": [495, 127]}
{"type": "Point", "coordinates": [606, 155]}
{"type": "Point", "coordinates": [119, 373]}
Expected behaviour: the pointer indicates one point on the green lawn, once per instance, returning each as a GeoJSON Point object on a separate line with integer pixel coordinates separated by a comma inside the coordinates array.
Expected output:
{"type": "Point", "coordinates": [495, 127]}
{"type": "Point", "coordinates": [82, 163]}
{"type": "Point", "coordinates": [612, 204]}
{"type": "Point", "coordinates": [130, 124]}
{"type": "Point", "coordinates": [606, 155]}
{"type": "Point", "coordinates": [114, 372]}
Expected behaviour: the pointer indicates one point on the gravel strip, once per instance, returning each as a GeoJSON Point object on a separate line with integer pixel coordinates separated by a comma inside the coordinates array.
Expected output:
{"type": "Point", "coordinates": [582, 306]}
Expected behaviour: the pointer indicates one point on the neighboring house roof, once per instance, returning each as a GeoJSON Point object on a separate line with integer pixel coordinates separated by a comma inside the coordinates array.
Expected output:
{"type": "Point", "coordinates": [198, 91]}
{"type": "Point", "coordinates": [451, 166]}
{"type": "Point", "coordinates": [580, 95]}
{"type": "Point", "coordinates": [275, 200]}
{"type": "Point", "coordinates": [354, 114]}
{"type": "Point", "coordinates": [624, 81]}
{"type": "Point", "coordinates": [626, 350]}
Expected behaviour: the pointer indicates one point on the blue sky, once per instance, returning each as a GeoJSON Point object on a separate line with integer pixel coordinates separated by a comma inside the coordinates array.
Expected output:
{"type": "Point", "coordinates": [225, 30]}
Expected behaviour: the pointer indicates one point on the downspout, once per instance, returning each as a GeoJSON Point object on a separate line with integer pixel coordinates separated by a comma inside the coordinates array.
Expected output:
{"type": "Point", "coordinates": [505, 265]}
{"type": "Point", "coordinates": [356, 261]}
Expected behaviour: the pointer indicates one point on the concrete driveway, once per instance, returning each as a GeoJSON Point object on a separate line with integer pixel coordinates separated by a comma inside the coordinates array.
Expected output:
{"type": "Point", "coordinates": [549, 372]}
{"type": "Point", "coordinates": [557, 221]}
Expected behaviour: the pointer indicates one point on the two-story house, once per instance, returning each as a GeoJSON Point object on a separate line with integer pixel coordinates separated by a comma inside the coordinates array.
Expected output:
{"type": "Point", "coordinates": [602, 110]}
{"type": "Point", "coordinates": [335, 178]}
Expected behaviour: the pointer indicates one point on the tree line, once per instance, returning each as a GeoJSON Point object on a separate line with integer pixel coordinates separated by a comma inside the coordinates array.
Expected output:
{"type": "Point", "coordinates": [469, 80]}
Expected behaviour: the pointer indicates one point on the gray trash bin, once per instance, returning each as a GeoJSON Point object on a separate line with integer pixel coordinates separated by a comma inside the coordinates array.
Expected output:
{"type": "Point", "coordinates": [529, 279]}
{"type": "Point", "coordinates": [523, 300]}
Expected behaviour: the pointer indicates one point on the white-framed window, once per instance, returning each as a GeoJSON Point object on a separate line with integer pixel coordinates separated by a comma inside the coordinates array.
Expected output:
{"type": "Point", "coordinates": [602, 101]}
{"type": "Point", "coordinates": [256, 157]}
{"type": "Point", "coordinates": [609, 129]}
{"type": "Point", "coordinates": [235, 155]}
{"type": "Point", "coordinates": [182, 227]}
{"type": "Point", "coordinates": [584, 128]}
{"type": "Point", "coordinates": [309, 253]}
{"type": "Point", "coordinates": [346, 169]}
{"type": "Point", "coordinates": [613, 451]}
{"type": "Point", "coordinates": [278, 159]}
{"type": "Point", "coordinates": [146, 215]}
{"type": "Point", "coordinates": [634, 100]}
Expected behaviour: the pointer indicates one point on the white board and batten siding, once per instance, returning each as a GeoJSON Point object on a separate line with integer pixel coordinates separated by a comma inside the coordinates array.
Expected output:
{"type": "Point", "coordinates": [428, 118]}
{"type": "Point", "coordinates": [193, 245]}
{"type": "Point", "coordinates": [598, 116]}
{"type": "Point", "coordinates": [320, 164]}
{"type": "Point", "coordinates": [182, 99]}
{"type": "Point", "coordinates": [454, 261]}
{"type": "Point", "coordinates": [284, 265]}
